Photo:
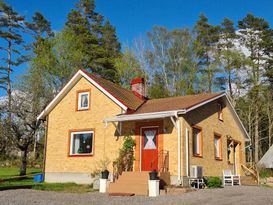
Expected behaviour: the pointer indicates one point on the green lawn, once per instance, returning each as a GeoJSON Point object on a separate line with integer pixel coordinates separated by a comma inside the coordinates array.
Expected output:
{"type": "Point", "coordinates": [62, 187]}
{"type": "Point", "coordinates": [8, 172]}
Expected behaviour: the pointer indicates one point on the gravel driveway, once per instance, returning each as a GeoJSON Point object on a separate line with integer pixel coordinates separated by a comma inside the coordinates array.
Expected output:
{"type": "Point", "coordinates": [229, 195]}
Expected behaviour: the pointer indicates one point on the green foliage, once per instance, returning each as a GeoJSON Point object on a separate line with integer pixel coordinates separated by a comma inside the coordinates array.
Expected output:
{"type": "Point", "coordinates": [265, 173]}
{"type": "Point", "coordinates": [205, 45]}
{"type": "Point", "coordinates": [97, 37]}
{"type": "Point", "coordinates": [214, 182]}
{"type": "Point", "coordinates": [101, 165]}
{"type": "Point", "coordinates": [128, 67]}
{"type": "Point", "coordinates": [125, 160]}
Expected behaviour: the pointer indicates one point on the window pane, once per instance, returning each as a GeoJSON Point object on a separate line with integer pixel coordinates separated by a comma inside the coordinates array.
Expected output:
{"type": "Point", "coordinates": [217, 147]}
{"type": "Point", "coordinates": [150, 139]}
{"type": "Point", "coordinates": [82, 143]}
{"type": "Point", "coordinates": [196, 141]}
{"type": "Point", "coordinates": [84, 100]}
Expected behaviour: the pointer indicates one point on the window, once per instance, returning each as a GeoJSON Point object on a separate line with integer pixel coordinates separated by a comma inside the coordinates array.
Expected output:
{"type": "Point", "coordinates": [220, 112]}
{"type": "Point", "coordinates": [197, 142]}
{"type": "Point", "coordinates": [218, 147]}
{"type": "Point", "coordinates": [81, 143]}
{"type": "Point", "coordinates": [83, 100]}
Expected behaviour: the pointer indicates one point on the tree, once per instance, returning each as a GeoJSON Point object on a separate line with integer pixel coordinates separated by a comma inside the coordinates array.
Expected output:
{"type": "Point", "coordinates": [97, 37]}
{"type": "Point", "coordinates": [256, 37]}
{"type": "Point", "coordinates": [128, 67]}
{"type": "Point", "coordinates": [171, 56]}
{"type": "Point", "coordinates": [24, 125]}
{"type": "Point", "coordinates": [207, 37]}
{"type": "Point", "coordinates": [231, 58]}
{"type": "Point", "coordinates": [11, 27]}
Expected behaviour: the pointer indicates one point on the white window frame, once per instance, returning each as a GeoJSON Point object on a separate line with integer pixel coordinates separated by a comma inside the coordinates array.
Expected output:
{"type": "Point", "coordinates": [198, 142]}
{"type": "Point", "coordinates": [71, 142]}
{"type": "Point", "coordinates": [217, 146]}
{"type": "Point", "coordinates": [220, 112]}
{"type": "Point", "coordinates": [79, 100]}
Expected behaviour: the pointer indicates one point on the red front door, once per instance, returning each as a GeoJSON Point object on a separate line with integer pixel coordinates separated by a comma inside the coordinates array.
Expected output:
{"type": "Point", "coordinates": [149, 149]}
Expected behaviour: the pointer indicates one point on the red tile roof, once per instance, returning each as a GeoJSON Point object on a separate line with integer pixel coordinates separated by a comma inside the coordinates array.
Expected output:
{"type": "Point", "coordinates": [139, 106]}
{"type": "Point", "coordinates": [175, 103]}
{"type": "Point", "coordinates": [123, 95]}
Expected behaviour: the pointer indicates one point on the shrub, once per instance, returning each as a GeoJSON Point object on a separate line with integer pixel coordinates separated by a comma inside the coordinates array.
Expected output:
{"type": "Point", "coordinates": [214, 182]}
{"type": "Point", "coordinates": [265, 173]}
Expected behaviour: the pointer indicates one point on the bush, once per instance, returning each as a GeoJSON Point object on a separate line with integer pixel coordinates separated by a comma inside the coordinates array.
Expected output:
{"type": "Point", "coordinates": [214, 182]}
{"type": "Point", "coordinates": [265, 173]}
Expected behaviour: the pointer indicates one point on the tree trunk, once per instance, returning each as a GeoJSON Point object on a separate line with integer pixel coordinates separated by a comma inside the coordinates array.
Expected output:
{"type": "Point", "coordinates": [9, 83]}
{"type": "Point", "coordinates": [23, 168]}
{"type": "Point", "coordinates": [229, 83]}
{"type": "Point", "coordinates": [256, 133]}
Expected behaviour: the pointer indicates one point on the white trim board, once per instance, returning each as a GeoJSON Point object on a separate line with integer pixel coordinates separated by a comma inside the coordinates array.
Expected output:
{"type": "Point", "coordinates": [69, 86]}
{"type": "Point", "coordinates": [172, 113]}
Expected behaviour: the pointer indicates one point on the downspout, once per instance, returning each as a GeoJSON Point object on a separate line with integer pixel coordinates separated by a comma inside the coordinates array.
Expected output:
{"type": "Point", "coordinates": [187, 152]}
{"type": "Point", "coordinates": [178, 149]}
{"type": "Point", "coordinates": [45, 145]}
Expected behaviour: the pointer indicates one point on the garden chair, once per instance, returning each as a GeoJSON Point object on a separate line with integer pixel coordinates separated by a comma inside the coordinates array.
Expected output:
{"type": "Point", "coordinates": [230, 179]}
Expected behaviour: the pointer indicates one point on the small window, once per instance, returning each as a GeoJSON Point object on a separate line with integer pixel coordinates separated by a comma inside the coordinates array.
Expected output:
{"type": "Point", "coordinates": [83, 100]}
{"type": "Point", "coordinates": [81, 143]}
{"type": "Point", "coordinates": [218, 147]}
{"type": "Point", "coordinates": [220, 112]}
{"type": "Point", "coordinates": [230, 151]}
{"type": "Point", "coordinates": [197, 142]}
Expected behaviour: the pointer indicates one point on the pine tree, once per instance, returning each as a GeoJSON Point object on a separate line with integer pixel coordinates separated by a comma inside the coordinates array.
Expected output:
{"type": "Point", "coordinates": [11, 27]}
{"type": "Point", "coordinates": [256, 36]}
{"type": "Point", "coordinates": [98, 39]}
{"type": "Point", "coordinates": [231, 58]}
{"type": "Point", "coordinates": [207, 37]}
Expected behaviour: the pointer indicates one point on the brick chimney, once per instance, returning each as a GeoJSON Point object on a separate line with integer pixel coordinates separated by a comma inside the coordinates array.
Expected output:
{"type": "Point", "coordinates": [138, 87]}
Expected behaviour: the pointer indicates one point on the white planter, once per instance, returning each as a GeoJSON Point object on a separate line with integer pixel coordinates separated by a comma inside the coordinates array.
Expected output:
{"type": "Point", "coordinates": [103, 185]}
{"type": "Point", "coordinates": [153, 188]}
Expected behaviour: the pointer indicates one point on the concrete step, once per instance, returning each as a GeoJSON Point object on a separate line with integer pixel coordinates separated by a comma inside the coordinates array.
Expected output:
{"type": "Point", "coordinates": [137, 189]}
{"type": "Point", "coordinates": [131, 183]}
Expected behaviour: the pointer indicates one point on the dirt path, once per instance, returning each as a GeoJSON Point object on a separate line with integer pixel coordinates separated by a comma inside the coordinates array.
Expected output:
{"type": "Point", "coordinates": [229, 195]}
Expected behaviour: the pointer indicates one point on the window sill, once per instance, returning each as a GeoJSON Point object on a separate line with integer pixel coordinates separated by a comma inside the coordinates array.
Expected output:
{"type": "Point", "coordinates": [196, 155]}
{"type": "Point", "coordinates": [82, 109]}
{"type": "Point", "coordinates": [218, 159]}
{"type": "Point", "coordinates": [80, 155]}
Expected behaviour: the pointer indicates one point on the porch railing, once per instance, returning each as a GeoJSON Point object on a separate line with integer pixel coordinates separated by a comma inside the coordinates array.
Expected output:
{"type": "Point", "coordinates": [252, 169]}
{"type": "Point", "coordinates": [162, 161]}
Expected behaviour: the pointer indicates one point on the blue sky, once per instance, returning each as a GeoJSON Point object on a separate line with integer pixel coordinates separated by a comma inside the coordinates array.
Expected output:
{"type": "Point", "coordinates": [133, 18]}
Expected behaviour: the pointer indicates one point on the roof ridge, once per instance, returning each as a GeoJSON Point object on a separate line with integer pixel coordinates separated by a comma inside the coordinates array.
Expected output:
{"type": "Point", "coordinates": [180, 96]}
{"type": "Point", "coordinates": [101, 78]}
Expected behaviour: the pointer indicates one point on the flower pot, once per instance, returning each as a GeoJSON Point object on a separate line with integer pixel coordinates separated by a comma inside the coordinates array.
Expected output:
{"type": "Point", "coordinates": [105, 174]}
{"type": "Point", "coordinates": [153, 175]}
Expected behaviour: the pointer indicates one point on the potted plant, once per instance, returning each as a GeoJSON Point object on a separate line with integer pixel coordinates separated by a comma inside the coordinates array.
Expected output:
{"type": "Point", "coordinates": [153, 175]}
{"type": "Point", "coordinates": [105, 174]}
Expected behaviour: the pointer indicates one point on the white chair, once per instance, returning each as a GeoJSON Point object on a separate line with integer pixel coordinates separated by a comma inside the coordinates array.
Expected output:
{"type": "Point", "coordinates": [230, 179]}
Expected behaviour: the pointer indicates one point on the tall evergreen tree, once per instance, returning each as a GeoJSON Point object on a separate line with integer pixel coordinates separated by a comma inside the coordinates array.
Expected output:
{"type": "Point", "coordinates": [256, 36]}
{"type": "Point", "coordinates": [11, 27]}
{"type": "Point", "coordinates": [98, 38]}
{"type": "Point", "coordinates": [231, 58]}
{"type": "Point", "coordinates": [207, 37]}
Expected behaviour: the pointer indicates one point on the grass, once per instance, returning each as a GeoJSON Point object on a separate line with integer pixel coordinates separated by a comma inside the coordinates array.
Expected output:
{"type": "Point", "coordinates": [7, 172]}
{"type": "Point", "coordinates": [59, 187]}
{"type": "Point", "coordinates": [64, 187]}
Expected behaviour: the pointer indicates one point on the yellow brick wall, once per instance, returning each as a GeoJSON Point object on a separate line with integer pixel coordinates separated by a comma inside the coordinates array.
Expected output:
{"type": "Point", "coordinates": [106, 143]}
{"type": "Point", "coordinates": [65, 117]}
{"type": "Point", "coordinates": [206, 117]}
{"type": "Point", "coordinates": [170, 144]}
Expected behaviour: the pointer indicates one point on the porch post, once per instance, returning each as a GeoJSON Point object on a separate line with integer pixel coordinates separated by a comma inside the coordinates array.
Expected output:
{"type": "Point", "coordinates": [178, 148]}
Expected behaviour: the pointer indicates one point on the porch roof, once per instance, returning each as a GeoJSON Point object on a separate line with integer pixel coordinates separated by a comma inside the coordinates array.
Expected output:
{"type": "Point", "coordinates": [143, 116]}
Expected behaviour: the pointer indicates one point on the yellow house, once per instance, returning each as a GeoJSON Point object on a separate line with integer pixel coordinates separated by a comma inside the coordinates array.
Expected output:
{"type": "Point", "coordinates": [184, 136]}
